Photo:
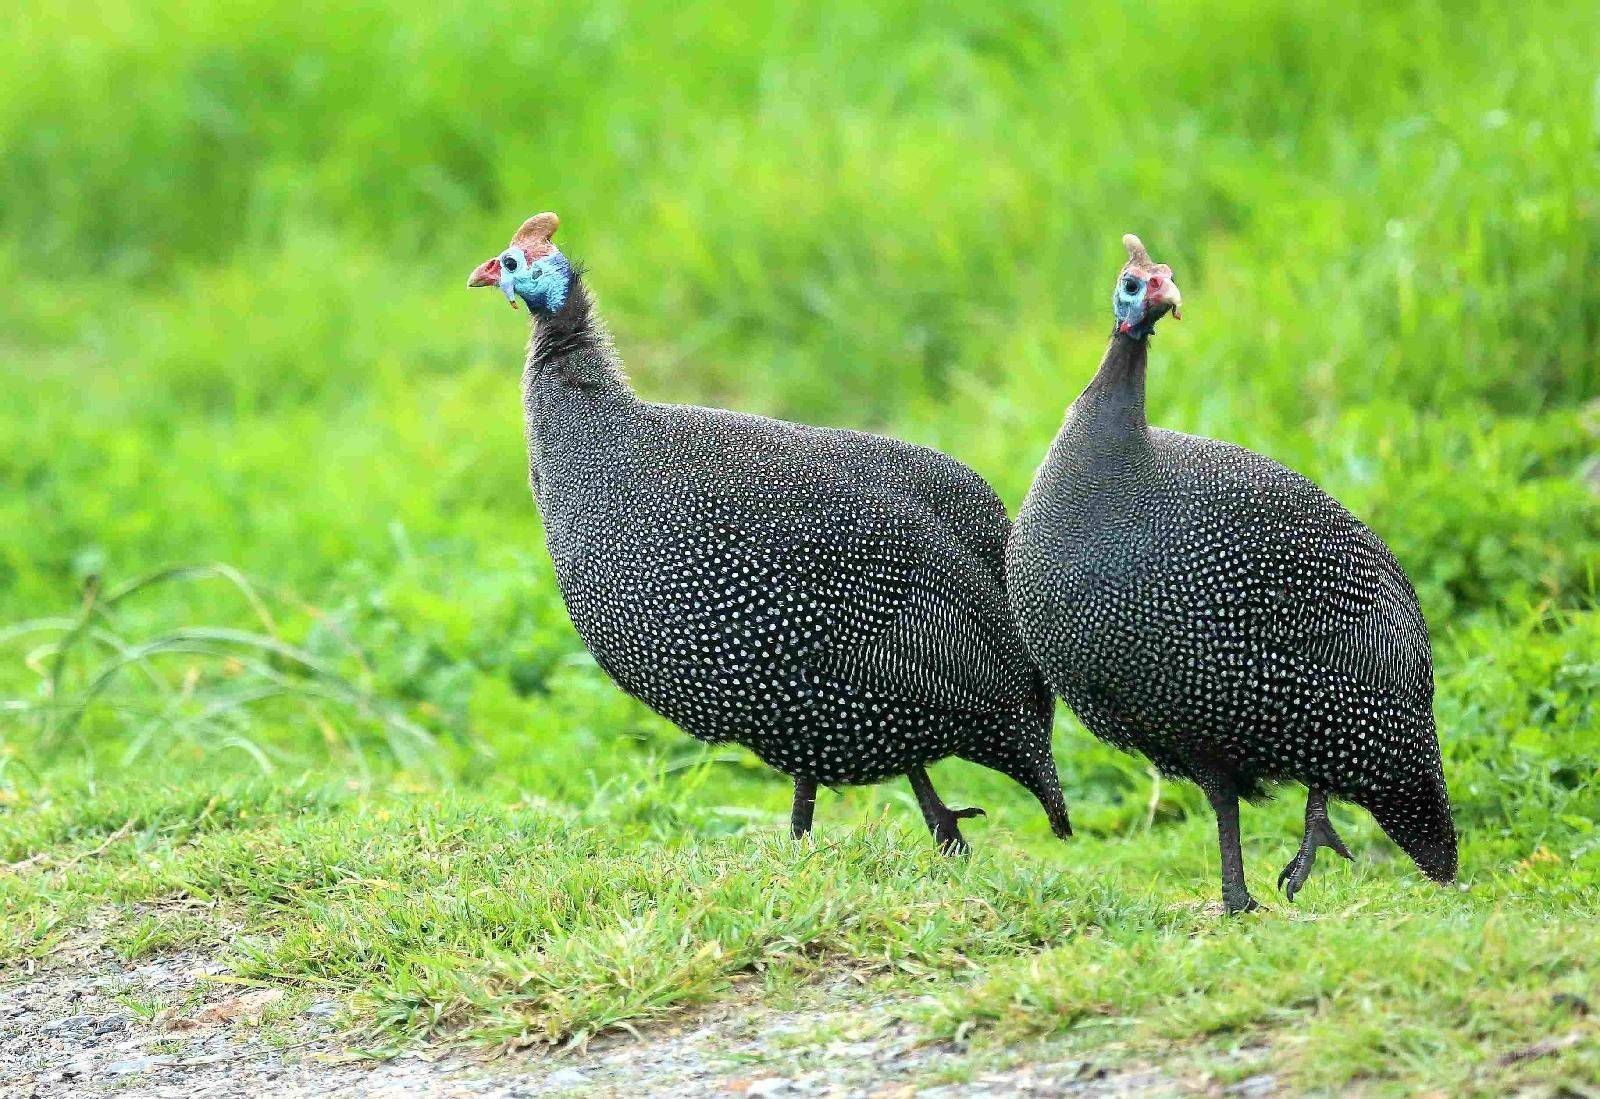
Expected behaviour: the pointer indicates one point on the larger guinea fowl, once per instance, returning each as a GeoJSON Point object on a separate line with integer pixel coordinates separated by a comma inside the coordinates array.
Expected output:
{"type": "Point", "coordinates": [832, 600]}
{"type": "Point", "coordinates": [1203, 605]}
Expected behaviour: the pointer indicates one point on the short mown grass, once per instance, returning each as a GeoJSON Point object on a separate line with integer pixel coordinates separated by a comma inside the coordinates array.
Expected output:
{"type": "Point", "coordinates": [442, 911]}
{"type": "Point", "coordinates": [465, 905]}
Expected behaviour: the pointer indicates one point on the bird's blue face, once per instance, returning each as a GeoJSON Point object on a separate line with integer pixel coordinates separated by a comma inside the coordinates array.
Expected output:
{"type": "Point", "coordinates": [541, 283]}
{"type": "Point", "coordinates": [1143, 296]}
{"type": "Point", "coordinates": [531, 268]}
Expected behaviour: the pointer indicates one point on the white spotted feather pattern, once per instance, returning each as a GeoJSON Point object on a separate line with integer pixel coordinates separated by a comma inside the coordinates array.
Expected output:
{"type": "Point", "coordinates": [1205, 606]}
{"type": "Point", "coordinates": [831, 599]}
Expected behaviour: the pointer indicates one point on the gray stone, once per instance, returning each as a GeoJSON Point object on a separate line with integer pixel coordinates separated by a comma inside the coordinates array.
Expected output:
{"type": "Point", "coordinates": [66, 1023]}
{"type": "Point", "coordinates": [138, 1064]}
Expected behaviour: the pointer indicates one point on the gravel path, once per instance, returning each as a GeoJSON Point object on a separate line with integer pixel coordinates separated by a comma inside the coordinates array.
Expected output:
{"type": "Point", "coordinates": [169, 1028]}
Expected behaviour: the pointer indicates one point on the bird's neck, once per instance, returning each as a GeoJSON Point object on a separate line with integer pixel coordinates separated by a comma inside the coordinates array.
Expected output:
{"type": "Point", "coordinates": [1112, 406]}
{"type": "Point", "coordinates": [574, 393]}
{"type": "Point", "coordinates": [571, 351]}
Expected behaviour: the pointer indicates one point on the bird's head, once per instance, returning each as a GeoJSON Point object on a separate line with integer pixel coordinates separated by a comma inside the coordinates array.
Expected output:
{"type": "Point", "coordinates": [531, 268]}
{"type": "Point", "coordinates": [1145, 292]}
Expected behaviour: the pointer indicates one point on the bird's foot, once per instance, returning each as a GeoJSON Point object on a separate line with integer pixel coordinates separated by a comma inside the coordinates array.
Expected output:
{"type": "Point", "coordinates": [1235, 901]}
{"type": "Point", "coordinates": [1319, 833]}
{"type": "Point", "coordinates": [947, 831]}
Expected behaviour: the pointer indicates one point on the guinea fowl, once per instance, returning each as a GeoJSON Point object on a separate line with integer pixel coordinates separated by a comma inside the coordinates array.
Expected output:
{"type": "Point", "coordinates": [1203, 605]}
{"type": "Point", "coordinates": [832, 600]}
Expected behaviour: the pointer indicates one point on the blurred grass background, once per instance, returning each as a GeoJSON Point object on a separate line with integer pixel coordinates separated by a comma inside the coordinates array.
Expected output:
{"type": "Point", "coordinates": [235, 240]}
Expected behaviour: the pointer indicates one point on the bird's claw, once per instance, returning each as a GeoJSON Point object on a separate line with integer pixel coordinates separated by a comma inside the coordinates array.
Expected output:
{"type": "Point", "coordinates": [1235, 905]}
{"type": "Point", "coordinates": [947, 832]}
{"type": "Point", "coordinates": [1319, 833]}
{"type": "Point", "coordinates": [1293, 876]}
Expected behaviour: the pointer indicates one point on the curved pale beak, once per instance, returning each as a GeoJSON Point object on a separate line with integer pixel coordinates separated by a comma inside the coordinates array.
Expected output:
{"type": "Point", "coordinates": [486, 273]}
{"type": "Point", "coordinates": [1161, 292]}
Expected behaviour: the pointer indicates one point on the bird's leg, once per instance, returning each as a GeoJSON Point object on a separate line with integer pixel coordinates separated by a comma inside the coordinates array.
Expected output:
{"type": "Point", "coordinates": [1319, 833]}
{"type": "Point", "coordinates": [942, 820]}
{"type": "Point", "coordinates": [805, 803]}
{"type": "Point", "coordinates": [1225, 803]}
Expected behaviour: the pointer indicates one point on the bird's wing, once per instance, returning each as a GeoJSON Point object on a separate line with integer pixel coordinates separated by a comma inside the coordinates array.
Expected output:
{"type": "Point", "coordinates": [946, 649]}
{"type": "Point", "coordinates": [951, 643]}
{"type": "Point", "coordinates": [1311, 579]}
{"type": "Point", "coordinates": [859, 557]}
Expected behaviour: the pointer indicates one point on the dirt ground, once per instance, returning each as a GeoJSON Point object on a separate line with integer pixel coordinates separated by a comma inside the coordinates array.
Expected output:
{"type": "Point", "coordinates": [174, 1026]}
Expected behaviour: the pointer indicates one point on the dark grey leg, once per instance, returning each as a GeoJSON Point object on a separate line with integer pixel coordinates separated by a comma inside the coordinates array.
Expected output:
{"type": "Point", "coordinates": [1319, 833]}
{"type": "Point", "coordinates": [942, 820]}
{"type": "Point", "coordinates": [1235, 896]}
{"type": "Point", "coordinates": [805, 803]}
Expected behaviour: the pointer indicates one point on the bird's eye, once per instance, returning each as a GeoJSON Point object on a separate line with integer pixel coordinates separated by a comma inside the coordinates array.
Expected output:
{"type": "Point", "coordinates": [1130, 287]}
{"type": "Point", "coordinates": [508, 261]}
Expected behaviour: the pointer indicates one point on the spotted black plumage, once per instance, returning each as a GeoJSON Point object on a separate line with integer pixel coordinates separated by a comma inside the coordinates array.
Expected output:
{"type": "Point", "coordinates": [1207, 607]}
{"type": "Point", "coordinates": [832, 600]}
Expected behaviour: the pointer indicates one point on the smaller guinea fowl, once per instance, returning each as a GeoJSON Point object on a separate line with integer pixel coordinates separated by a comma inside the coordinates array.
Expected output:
{"type": "Point", "coordinates": [1205, 606]}
{"type": "Point", "coordinates": [832, 600]}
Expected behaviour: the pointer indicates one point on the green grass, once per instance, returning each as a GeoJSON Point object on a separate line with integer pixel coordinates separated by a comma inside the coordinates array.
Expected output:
{"type": "Point", "coordinates": [359, 725]}
{"type": "Point", "coordinates": [460, 913]}
{"type": "Point", "coordinates": [489, 898]}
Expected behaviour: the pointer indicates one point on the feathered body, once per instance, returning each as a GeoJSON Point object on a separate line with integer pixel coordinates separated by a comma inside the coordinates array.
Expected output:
{"type": "Point", "coordinates": [1207, 607]}
{"type": "Point", "coordinates": [831, 599]}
